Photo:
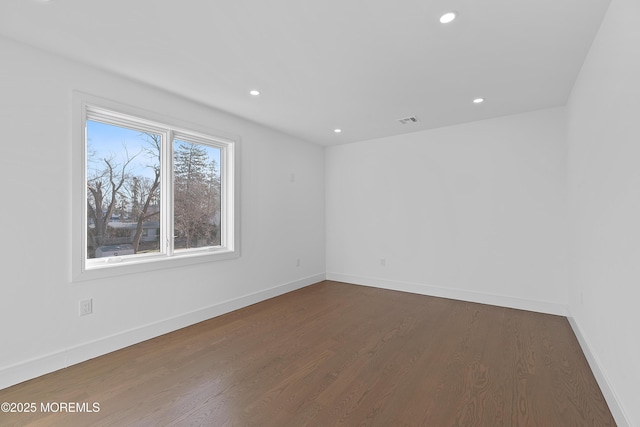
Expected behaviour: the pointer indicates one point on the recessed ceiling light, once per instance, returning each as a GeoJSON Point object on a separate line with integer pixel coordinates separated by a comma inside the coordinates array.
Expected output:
{"type": "Point", "coordinates": [254, 92]}
{"type": "Point", "coordinates": [478, 100]}
{"type": "Point", "coordinates": [448, 17]}
{"type": "Point", "coordinates": [337, 130]}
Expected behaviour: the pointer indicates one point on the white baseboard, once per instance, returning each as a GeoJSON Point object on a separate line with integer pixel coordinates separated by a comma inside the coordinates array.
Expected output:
{"type": "Point", "coordinates": [594, 363]}
{"type": "Point", "coordinates": [36, 367]}
{"type": "Point", "coordinates": [457, 294]}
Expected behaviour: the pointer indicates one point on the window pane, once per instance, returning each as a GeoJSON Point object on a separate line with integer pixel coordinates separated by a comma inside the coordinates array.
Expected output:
{"type": "Point", "coordinates": [196, 191]}
{"type": "Point", "coordinates": [123, 191]}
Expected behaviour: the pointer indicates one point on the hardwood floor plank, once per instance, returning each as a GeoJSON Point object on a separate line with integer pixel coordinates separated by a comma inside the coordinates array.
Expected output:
{"type": "Point", "coordinates": [334, 354]}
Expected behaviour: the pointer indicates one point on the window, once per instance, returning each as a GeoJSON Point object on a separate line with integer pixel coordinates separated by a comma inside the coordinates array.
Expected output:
{"type": "Point", "coordinates": [152, 191]}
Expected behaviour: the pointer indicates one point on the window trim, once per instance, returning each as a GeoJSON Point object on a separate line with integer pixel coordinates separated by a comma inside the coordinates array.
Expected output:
{"type": "Point", "coordinates": [229, 172]}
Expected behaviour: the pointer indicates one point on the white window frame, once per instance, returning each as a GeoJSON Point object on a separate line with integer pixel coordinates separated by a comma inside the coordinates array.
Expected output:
{"type": "Point", "coordinates": [93, 108]}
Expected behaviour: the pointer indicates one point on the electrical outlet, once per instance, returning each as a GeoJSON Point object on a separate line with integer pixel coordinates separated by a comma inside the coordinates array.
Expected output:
{"type": "Point", "coordinates": [298, 262]}
{"type": "Point", "coordinates": [86, 307]}
{"type": "Point", "coordinates": [383, 262]}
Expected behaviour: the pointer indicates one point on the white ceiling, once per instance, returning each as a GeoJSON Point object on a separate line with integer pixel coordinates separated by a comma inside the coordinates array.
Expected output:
{"type": "Point", "coordinates": [359, 65]}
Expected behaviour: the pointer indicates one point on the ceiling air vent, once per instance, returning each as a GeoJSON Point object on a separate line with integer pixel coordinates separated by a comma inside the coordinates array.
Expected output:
{"type": "Point", "coordinates": [408, 120]}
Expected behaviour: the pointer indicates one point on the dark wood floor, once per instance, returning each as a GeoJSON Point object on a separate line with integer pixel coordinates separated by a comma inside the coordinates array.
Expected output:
{"type": "Point", "coordinates": [337, 354]}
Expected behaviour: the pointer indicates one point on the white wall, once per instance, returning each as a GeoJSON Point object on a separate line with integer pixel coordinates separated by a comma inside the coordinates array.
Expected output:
{"type": "Point", "coordinates": [280, 222]}
{"type": "Point", "coordinates": [604, 202]}
{"type": "Point", "coordinates": [474, 211]}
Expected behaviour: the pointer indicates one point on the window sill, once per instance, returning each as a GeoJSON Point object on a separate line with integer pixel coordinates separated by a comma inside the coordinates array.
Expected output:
{"type": "Point", "coordinates": [117, 268]}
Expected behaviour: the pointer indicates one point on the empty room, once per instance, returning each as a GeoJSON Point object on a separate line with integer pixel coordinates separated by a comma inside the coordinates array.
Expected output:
{"type": "Point", "coordinates": [291, 213]}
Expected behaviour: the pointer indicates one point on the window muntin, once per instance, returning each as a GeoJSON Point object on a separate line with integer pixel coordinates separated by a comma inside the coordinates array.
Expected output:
{"type": "Point", "coordinates": [149, 203]}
